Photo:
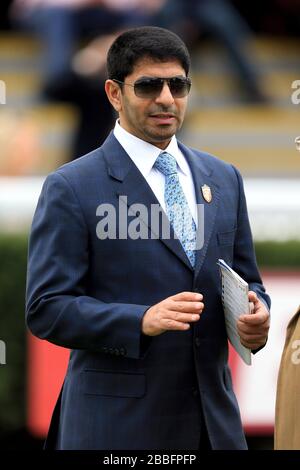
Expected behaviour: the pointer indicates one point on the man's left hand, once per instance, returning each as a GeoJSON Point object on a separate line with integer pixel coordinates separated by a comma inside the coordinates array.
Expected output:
{"type": "Point", "coordinates": [253, 328]}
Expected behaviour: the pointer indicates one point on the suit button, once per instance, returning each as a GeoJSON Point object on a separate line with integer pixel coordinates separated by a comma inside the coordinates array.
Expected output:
{"type": "Point", "coordinates": [122, 351]}
{"type": "Point", "coordinates": [195, 391]}
{"type": "Point", "coordinates": [197, 342]}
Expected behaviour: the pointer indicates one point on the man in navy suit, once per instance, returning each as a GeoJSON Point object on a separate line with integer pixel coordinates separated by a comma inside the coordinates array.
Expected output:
{"type": "Point", "coordinates": [140, 310]}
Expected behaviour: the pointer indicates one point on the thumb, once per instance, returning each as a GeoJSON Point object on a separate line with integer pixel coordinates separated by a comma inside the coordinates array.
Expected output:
{"type": "Point", "coordinates": [252, 296]}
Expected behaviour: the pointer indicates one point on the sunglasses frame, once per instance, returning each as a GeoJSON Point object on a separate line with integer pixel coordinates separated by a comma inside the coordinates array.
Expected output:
{"type": "Point", "coordinates": [161, 80]}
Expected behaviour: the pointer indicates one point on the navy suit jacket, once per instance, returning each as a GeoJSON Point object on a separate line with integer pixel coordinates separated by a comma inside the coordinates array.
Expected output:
{"type": "Point", "coordinates": [124, 390]}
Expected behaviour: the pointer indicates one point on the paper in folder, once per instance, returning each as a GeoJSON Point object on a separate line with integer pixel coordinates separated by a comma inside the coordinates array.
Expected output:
{"type": "Point", "coordinates": [235, 303]}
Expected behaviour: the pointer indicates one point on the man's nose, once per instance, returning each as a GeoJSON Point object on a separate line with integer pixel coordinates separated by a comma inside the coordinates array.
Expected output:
{"type": "Point", "coordinates": [165, 96]}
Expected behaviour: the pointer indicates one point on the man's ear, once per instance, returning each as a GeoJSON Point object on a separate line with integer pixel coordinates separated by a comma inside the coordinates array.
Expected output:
{"type": "Point", "coordinates": [114, 92]}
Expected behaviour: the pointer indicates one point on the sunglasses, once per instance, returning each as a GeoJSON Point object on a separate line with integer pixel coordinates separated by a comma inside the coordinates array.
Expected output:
{"type": "Point", "coordinates": [151, 87]}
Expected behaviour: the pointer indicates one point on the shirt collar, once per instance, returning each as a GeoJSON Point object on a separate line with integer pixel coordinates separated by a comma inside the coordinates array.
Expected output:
{"type": "Point", "coordinates": [144, 154]}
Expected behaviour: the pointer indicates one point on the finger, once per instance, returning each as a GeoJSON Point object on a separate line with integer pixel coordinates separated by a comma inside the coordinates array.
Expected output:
{"type": "Point", "coordinates": [249, 330]}
{"type": "Point", "coordinates": [187, 307]}
{"type": "Point", "coordinates": [182, 317]}
{"type": "Point", "coordinates": [257, 318]}
{"type": "Point", "coordinates": [253, 326]}
{"type": "Point", "coordinates": [253, 344]}
{"type": "Point", "coordinates": [187, 296]}
{"type": "Point", "coordinates": [252, 296]}
{"type": "Point", "coordinates": [253, 339]}
{"type": "Point", "coordinates": [169, 324]}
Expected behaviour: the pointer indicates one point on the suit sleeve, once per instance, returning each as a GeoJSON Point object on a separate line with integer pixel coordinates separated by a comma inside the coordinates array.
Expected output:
{"type": "Point", "coordinates": [57, 308]}
{"type": "Point", "coordinates": [244, 261]}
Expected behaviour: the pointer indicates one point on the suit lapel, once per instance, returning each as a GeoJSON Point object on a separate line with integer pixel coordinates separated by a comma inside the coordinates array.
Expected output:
{"type": "Point", "coordinates": [131, 183]}
{"type": "Point", "coordinates": [202, 174]}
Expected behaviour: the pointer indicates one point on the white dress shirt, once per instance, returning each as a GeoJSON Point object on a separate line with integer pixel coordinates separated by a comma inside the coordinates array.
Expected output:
{"type": "Point", "coordinates": [144, 156]}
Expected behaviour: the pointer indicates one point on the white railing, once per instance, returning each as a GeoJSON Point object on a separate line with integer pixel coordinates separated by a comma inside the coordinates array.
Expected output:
{"type": "Point", "coordinates": [273, 205]}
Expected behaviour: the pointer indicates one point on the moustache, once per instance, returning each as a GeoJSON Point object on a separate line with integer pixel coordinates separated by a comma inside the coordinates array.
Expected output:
{"type": "Point", "coordinates": [163, 109]}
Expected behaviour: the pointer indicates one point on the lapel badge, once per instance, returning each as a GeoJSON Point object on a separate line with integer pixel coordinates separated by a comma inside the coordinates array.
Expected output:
{"type": "Point", "coordinates": [206, 193]}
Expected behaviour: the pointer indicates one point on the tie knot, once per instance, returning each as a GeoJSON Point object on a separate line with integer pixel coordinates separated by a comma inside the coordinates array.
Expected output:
{"type": "Point", "coordinates": [166, 164]}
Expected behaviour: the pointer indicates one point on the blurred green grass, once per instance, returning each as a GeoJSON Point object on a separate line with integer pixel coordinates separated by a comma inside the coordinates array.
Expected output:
{"type": "Point", "coordinates": [278, 255]}
{"type": "Point", "coordinates": [13, 254]}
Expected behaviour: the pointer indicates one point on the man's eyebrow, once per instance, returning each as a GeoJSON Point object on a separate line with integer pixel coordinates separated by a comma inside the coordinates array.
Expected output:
{"type": "Point", "coordinates": [164, 78]}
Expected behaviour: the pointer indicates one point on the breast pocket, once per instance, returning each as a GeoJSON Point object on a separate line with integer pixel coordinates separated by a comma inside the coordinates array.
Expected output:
{"type": "Point", "coordinates": [225, 242]}
{"type": "Point", "coordinates": [114, 384]}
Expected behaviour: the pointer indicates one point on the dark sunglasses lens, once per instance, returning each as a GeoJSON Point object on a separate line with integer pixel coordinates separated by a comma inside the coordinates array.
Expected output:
{"type": "Point", "coordinates": [148, 88]}
{"type": "Point", "coordinates": [152, 87]}
{"type": "Point", "coordinates": [179, 87]}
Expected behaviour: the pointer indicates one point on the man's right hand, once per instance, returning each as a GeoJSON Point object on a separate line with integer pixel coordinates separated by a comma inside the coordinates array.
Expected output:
{"type": "Point", "coordinates": [174, 313]}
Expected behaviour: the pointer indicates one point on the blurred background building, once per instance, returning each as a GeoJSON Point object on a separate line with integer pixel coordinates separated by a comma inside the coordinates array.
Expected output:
{"type": "Point", "coordinates": [53, 109]}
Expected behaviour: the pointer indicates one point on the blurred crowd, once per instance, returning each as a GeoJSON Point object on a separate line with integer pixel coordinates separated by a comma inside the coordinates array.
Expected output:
{"type": "Point", "coordinates": [76, 35]}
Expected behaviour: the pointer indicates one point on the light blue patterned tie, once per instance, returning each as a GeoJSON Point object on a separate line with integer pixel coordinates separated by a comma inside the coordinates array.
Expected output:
{"type": "Point", "coordinates": [177, 207]}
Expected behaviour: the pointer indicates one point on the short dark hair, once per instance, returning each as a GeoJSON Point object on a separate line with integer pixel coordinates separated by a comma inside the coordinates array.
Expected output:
{"type": "Point", "coordinates": [148, 41]}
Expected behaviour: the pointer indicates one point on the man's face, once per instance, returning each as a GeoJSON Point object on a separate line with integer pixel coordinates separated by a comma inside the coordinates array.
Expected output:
{"type": "Point", "coordinates": [154, 120]}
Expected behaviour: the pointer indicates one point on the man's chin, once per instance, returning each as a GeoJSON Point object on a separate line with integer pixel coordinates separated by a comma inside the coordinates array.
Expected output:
{"type": "Point", "coordinates": [163, 134]}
